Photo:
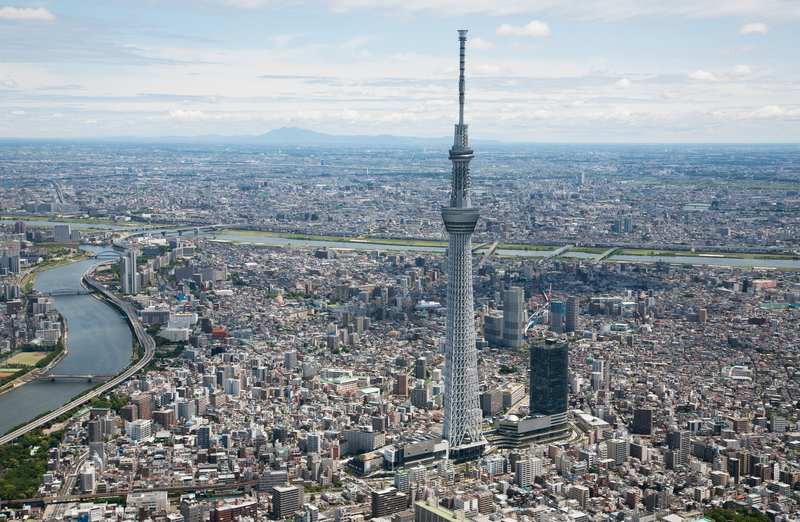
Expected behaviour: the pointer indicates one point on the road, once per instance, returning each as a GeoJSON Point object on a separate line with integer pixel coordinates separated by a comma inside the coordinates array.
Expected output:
{"type": "Point", "coordinates": [141, 335]}
{"type": "Point", "coordinates": [69, 482]}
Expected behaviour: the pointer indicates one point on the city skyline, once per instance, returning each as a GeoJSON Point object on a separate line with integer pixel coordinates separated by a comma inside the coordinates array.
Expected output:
{"type": "Point", "coordinates": [617, 71]}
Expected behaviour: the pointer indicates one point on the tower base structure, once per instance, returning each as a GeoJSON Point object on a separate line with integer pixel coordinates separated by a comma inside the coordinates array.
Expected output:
{"type": "Point", "coordinates": [468, 451]}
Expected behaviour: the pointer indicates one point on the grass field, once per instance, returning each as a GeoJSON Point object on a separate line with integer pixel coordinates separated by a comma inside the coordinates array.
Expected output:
{"type": "Point", "coordinates": [27, 358]}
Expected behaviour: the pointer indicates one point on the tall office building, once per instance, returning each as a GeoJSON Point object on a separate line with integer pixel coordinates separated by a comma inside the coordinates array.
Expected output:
{"type": "Point", "coordinates": [549, 383]}
{"type": "Point", "coordinates": [61, 233]}
{"type": "Point", "coordinates": [462, 412]}
{"type": "Point", "coordinates": [680, 443]}
{"type": "Point", "coordinates": [513, 317]}
{"type": "Point", "coordinates": [285, 500]}
{"type": "Point", "coordinates": [571, 322]}
{"type": "Point", "coordinates": [556, 317]}
{"type": "Point", "coordinates": [129, 278]}
{"type": "Point", "coordinates": [204, 435]}
{"type": "Point", "coordinates": [314, 442]}
{"type": "Point", "coordinates": [387, 502]}
{"type": "Point", "coordinates": [643, 421]}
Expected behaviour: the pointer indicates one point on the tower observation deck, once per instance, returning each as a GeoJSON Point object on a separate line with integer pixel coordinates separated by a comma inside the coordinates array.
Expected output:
{"type": "Point", "coordinates": [462, 412]}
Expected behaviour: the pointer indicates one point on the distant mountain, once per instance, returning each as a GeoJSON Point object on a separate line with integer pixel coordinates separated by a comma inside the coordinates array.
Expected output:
{"type": "Point", "coordinates": [295, 135]}
{"type": "Point", "coordinates": [298, 136]}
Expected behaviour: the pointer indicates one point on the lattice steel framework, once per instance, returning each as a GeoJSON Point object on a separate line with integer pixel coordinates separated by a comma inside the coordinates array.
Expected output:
{"type": "Point", "coordinates": [462, 413]}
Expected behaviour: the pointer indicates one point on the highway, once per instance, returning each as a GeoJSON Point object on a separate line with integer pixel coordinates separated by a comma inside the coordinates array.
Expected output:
{"type": "Point", "coordinates": [141, 335]}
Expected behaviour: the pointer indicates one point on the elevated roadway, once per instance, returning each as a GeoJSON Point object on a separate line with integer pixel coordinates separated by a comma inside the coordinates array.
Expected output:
{"type": "Point", "coordinates": [141, 336]}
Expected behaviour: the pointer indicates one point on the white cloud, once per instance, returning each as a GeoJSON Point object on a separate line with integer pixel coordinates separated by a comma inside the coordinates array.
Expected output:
{"type": "Point", "coordinates": [90, 121]}
{"type": "Point", "coordinates": [446, 71]}
{"type": "Point", "coordinates": [58, 115]}
{"type": "Point", "coordinates": [771, 112]}
{"type": "Point", "coordinates": [731, 50]}
{"type": "Point", "coordinates": [522, 47]}
{"type": "Point", "coordinates": [741, 70]}
{"type": "Point", "coordinates": [349, 115]}
{"type": "Point", "coordinates": [703, 76]}
{"type": "Point", "coordinates": [354, 43]}
{"type": "Point", "coordinates": [534, 29]}
{"type": "Point", "coordinates": [18, 113]}
{"type": "Point", "coordinates": [623, 84]}
{"type": "Point", "coordinates": [488, 70]}
{"type": "Point", "coordinates": [754, 28]}
{"type": "Point", "coordinates": [25, 13]}
{"type": "Point", "coordinates": [9, 82]}
{"type": "Point", "coordinates": [479, 44]}
{"type": "Point", "coordinates": [181, 114]}
{"type": "Point", "coordinates": [607, 73]}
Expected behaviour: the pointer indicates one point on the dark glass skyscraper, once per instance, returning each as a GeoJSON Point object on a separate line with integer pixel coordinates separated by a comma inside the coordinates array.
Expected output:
{"type": "Point", "coordinates": [549, 386]}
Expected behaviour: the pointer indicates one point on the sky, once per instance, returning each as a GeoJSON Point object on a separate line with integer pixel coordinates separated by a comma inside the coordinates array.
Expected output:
{"type": "Point", "coordinates": [603, 71]}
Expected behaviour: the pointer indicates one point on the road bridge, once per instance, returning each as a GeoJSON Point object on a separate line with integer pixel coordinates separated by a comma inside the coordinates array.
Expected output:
{"type": "Point", "coordinates": [68, 291]}
{"type": "Point", "coordinates": [52, 377]}
{"type": "Point", "coordinates": [554, 253]}
{"type": "Point", "coordinates": [108, 253]}
{"type": "Point", "coordinates": [606, 254]}
{"type": "Point", "coordinates": [489, 252]}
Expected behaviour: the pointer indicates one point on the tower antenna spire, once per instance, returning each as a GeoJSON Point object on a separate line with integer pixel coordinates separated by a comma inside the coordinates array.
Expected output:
{"type": "Point", "coordinates": [462, 38]}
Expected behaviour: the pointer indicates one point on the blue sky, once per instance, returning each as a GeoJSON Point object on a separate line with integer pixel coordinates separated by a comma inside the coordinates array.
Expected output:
{"type": "Point", "coordinates": [537, 71]}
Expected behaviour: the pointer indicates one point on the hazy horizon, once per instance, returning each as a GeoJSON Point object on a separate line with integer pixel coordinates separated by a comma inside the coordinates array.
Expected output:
{"type": "Point", "coordinates": [603, 71]}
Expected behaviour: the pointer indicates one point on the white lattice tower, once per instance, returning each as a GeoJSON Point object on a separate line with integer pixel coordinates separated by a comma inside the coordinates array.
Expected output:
{"type": "Point", "coordinates": [462, 413]}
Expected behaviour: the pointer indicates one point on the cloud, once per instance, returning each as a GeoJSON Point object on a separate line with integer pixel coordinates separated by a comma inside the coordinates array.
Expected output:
{"type": "Point", "coordinates": [741, 70]}
{"type": "Point", "coordinates": [772, 112]}
{"type": "Point", "coordinates": [349, 115]}
{"type": "Point", "coordinates": [25, 13]}
{"type": "Point", "coordinates": [354, 43]}
{"type": "Point", "coordinates": [58, 115]}
{"type": "Point", "coordinates": [730, 50]}
{"type": "Point", "coordinates": [522, 47]}
{"type": "Point", "coordinates": [18, 113]}
{"type": "Point", "coordinates": [488, 70]}
{"type": "Point", "coordinates": [703, 76]}
{"type": "Point", "coordinates": [534, 29]}
{"type": "Point", "coordinates": [479, 44]}
{"type": "Point", "coordinates": [623, 84]}
{"type": "Point", "coordinates": [607, 73]}
{"type": "Point", "coordinates": [9, 82]}
{"type": "Point", "coordinates": [90, 121]}
{"type": "Point", "coordinates": [181, 114]}
{"type": "Point", "coordinates": [754, 28]}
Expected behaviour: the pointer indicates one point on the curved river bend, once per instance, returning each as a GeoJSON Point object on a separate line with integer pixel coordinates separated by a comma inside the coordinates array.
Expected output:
{"type": "Point", "coordinates": [99, 342]}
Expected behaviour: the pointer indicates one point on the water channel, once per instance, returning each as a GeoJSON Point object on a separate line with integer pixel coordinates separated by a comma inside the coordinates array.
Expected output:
{"type": "Point", "coordinates": [99, 342]}
{"type": "Point", "coordinates": [694, 260]}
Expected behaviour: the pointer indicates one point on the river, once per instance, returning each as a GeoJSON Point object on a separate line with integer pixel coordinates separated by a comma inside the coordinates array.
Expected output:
{"type": "Point", "coordinates": [368, 245]}
{"type": "Point", "coordinates": [99, 343]}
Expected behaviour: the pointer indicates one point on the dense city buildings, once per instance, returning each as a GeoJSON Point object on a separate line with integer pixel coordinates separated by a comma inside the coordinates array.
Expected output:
{"type": "Point", "coordinates": [307, 377]}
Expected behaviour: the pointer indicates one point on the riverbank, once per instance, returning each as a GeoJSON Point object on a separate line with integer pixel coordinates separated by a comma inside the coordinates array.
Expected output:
{"type": "Point", "coordinates": [364, 243]}
{"type": "Point", "coordinates": [99, 344]}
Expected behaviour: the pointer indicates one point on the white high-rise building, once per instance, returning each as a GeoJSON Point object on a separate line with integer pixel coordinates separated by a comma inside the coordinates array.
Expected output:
{"type": "Point", "coordinates": [462, 411]}
{"type": "Point", "coordinates": [314, 442]}
{"type": "Point", "coordinates": [514, 317]}
{"type": "Point", "coordinates": [129, 277]}
{"type": "Point", "coordinates": [140, 429]}
{"type": "Point", "coordinates": [87, 478]}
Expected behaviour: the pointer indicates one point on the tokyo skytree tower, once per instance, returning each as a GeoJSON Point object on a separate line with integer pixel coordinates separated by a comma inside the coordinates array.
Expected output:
{"type": "Point", "coordinates": [462, 412]}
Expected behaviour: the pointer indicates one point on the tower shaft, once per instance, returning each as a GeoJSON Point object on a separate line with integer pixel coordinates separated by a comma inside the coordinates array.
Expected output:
{"type": "Point", "coordinates": [462, 413]}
